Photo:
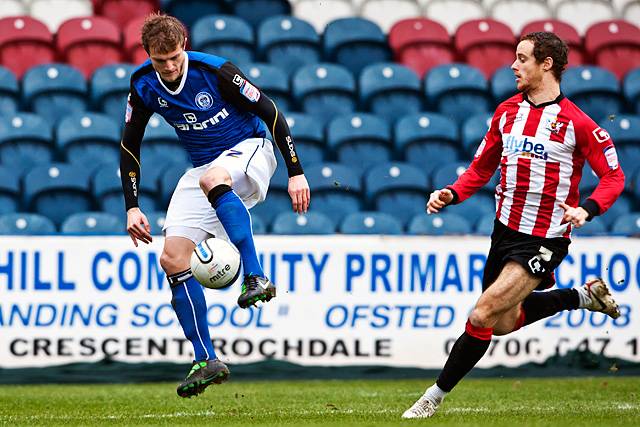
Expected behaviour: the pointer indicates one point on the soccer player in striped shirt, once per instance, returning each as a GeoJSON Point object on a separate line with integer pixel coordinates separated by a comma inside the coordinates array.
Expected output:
{"type": "Point", "coordinates": [540, 140]}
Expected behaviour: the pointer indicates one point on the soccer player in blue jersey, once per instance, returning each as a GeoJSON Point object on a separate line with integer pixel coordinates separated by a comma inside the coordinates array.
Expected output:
{"type": "Point", "coordinates": [222, 119]}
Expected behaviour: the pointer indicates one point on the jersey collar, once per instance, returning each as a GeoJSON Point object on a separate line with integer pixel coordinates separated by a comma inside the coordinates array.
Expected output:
{"type": "Point", "coordinates": [544, 104]}
{"type": "Point", "coordinates": [182, 81]}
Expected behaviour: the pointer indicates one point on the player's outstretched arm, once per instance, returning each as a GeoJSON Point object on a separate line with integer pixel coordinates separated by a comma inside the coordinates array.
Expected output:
{"type": "Point", "coordinates": [299, 193]}
{"type": "Point", "coordinates": [438, 200]}
{"type": "Point", "coordinates": [138, 226]}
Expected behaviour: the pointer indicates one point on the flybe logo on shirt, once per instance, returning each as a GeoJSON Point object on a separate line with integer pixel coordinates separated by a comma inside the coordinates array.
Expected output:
{"type": "Point", "coordinates": [192, 121]}
{"type": "Point", "coordinates": [524, 147]}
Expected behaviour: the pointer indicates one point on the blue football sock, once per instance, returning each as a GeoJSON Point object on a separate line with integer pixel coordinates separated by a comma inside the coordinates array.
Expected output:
{"type": "Point", "coordinates": [191, 308]}
{"type": "Point", "coordinates": [235, 219]}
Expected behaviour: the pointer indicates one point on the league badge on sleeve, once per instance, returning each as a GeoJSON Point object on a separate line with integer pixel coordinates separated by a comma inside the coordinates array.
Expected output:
{"type": "Point", "coordinates": [611, 156]}
{"type": "Point", "coordinates": [129, 110]}
{"type": "Point", "coordinates": [250, 92]}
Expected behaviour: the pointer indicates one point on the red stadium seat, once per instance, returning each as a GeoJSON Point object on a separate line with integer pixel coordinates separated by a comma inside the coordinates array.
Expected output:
{"type": "Point", "coordinates": [486, 44]}
{"type": "Point", "coordinates": [614, 45]}
{"type": "Point", "coordinates": [24, 43]}
{"type": "Point", "coordinates": [132, 45]}
{"type": "Point", "coordinates": [421, 44]}
{"type": "Point", "coordinates": [123, 11]}
{"type": "Point", "coordinates": [89, 43]}
{"type": "Point", "coordinates": [566, 32]}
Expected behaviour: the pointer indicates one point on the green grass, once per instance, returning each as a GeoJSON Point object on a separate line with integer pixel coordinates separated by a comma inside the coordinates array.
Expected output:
{"type": "Point", "coordinates": [494, 402]}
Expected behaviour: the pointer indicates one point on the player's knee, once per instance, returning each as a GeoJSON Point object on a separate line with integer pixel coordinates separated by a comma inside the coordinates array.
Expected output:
{"type": "Point", "coordinates": [482, 317]}
{"type": "Point", "coordinates": [172, 263]}
{"type": "Point", "coordinates": [214, 177]}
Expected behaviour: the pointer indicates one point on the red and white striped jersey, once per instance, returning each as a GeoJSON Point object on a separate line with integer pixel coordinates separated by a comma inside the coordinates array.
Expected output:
{"type": "Point", "coordinates": [541, 151]}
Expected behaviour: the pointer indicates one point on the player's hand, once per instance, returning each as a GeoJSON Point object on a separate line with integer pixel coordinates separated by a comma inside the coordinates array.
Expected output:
{"type": "Point", "coordinates": [576, 216]}
{"type": "Point", "coordinates": [300, 194]}
{"type": "Point", "coordinates": [138, 226]}
{"type": "Point", "coordinates": [438, 200]}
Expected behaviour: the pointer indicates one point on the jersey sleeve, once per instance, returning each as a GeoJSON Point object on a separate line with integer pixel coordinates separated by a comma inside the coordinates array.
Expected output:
{"type": "Point", "coordinates": [239, 91]}
{"type": "Point", "coordinates": [136, 119]}
{"type": "Point", "coordinates": [484, 164]}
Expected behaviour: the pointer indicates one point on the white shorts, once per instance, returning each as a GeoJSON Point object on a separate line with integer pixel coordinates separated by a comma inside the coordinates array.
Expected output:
{"type": "Point", "coordinates": [250, 163]}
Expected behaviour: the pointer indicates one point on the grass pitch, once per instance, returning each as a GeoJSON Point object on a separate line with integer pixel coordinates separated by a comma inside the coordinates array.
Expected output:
{"type": "Point", "coordinates": [604, 401]}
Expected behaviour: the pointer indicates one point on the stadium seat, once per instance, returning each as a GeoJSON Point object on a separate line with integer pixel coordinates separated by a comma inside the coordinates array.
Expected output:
{"type": "Point", "coordinates": [503, 84]}
{"type": "Point", "coordinates": [614, 45]}
{"type": "Point", "coordinates": [385, 13]}
{"type": "Point", "coordinates": [24, 43]}
{"type": "Point", "coordinates": [55, 91]}
{"type": "Point", "coordinates": [189, 11]}
{"type": "Point", "coordinates": [336, 190]}
{"type": "Point", "coordinates": [273, 81]}
{"type": "Point", "coordinates": [447, 174]}
{"type": "Point", "coordinates": [224, 35]}
{"type": "Point", "coordinates": [452, 13]}
{"type": "Point", "coordinates": [324, 90]}
{"type": "Point", "coordinates": [517, 13]}
{"type": "Point", "coordinates": [320, 14]}
{"type": "Point", "coordinates": [258, 225]}
{"type": "Point", "coordinates": [160, 143]}
{"type": "Point", "coordinates": [308, 135]}
{"type": "Point", "coordinates": [581, 14]}
{"type": "Point", "coordinates": [55, 12]}
{"type": "Point", "coordinates": [107, 188]}
{"type": "Point", "coordinates": [168, 180]}
{"type": "Point", "coordinates": [156, 221]}
{"type": "Point", "coordinates": [109, 89]}
{"type": "Point", "coordinates": [486, 44]}
{"type": "Point", "coordinates": [26, 140]}
{"type": "Point", "coordinates": [484, 226]}
{"type": "Point", "coordinates": [420, 44]}
{"type": "Point", "coordinates": [288, 43]}
{"type": "Point", "coordinates": [624, 129]}
{"type": "Point", "coordinates": [13, 8]}
{"type": "Point", "coordinates": [370, 223]}
{"type": "Point", "coordinates": [566, 32]}
{"type": "Point", "coordinates": [474, 208]}
{"type": "Point", "coordinates": [623, 206]}
{"type": "Point", "coordinates": [132, 43]}
{"type": "Point", "coordinates": [123, 11]}
{"type": "Point", "coordinates": [629, 156]}
{"type": "Point", "coordinates": [442, 224]}
{"type": "Point", "coordinates": [89, 43]}
{"type": "Point", "coordinates": [93, 224]}
{"type": "Point", "coordinates": [360, 140]}
{"type": "Point", "coordinates": [390, 90]}
{"type": "Point", "coordinates": [627, 225]}
{"type": "Point", "coordinates": [397, 188]}
{"type": "Point", "coordinates": [9, 190]}
{"type": "Point", "coordinates": [25, 224]}
{"type": "Point", "coordinates": [355, 43]}
{"type": "Point", "coordinates": [457, 91]}
{"type": "Point", "coordinates": [427, 140]}
{"type": "Point", "coordinates": [278, 199]}
{"type": "Point", "coordinates": [473, 131]}
{"type": "Point", "coordinates": [290, 223]}
{"type": "Point", "coordinates": [89, 140]}
{"type": "Point", "coordinates": [594, 90]}
{"type": "Point", "coordinates": [631, 89]}
{"type": "Point", "coordinates": [588, 182]}
{"type": "Point", "coordinates": [595, 227]}
{"type": "Point", "coordinates": [57, 190]}
{"type": "Point", "coordinates": [257, 11]}
{"type": "Point", "coordinates": [9, 92]}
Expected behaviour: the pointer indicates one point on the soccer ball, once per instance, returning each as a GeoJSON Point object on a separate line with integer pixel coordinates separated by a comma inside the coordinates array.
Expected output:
{"type": "Point", "coordinates": [215, 263]}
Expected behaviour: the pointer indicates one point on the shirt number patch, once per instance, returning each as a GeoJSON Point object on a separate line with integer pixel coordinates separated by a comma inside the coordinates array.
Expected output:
{"type": "Point", "coordinates": [601, 135]}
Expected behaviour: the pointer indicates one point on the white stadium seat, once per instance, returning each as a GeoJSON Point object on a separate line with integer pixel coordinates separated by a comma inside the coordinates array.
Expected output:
{"type": "Point", "coordinates": [584, 13]}
{"type": "Point", "coordinates": [385, 13]}
{"type": "Point", "coordinates": [452, 13]}
{"type": "Point", "coordinates": [511, 12]}
{"type": "Point", "coordinates": [55, 12]}
{"type": "Point", "coordinates": [319, 14]}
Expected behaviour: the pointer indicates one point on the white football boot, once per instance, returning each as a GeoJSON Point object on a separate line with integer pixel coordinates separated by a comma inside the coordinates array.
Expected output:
{"type": "Point", "coordinates": [598, 298]}
{"type": "Point", "coordinates": [423, 408]}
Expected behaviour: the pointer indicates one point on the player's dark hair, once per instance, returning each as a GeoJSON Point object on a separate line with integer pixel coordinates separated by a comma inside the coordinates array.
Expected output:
{"type": "Point", "coordinates": [162, 33]}
{"type": "Point", "coordinates": [549, 45]}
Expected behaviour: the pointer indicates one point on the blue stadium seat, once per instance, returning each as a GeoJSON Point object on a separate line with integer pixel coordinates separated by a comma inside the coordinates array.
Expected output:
{"type": "Point", "coordinates": [595, 90]}
{"type": "Point", "coordinates": [457, 91]}
{"type": "Point", "coordinates": [168, 180]}
{"type": "Point", "coordinates": [360, 140]}
{"type": "Point", "coordinates": [109, 89]}
{"type": "Point", "coordinates": [309, 223]}
{"type": "Point", "coordinates": [447, 174]}
{"type": "Point", "coordinates": [9, 190]}
{"type": "Point", "coordinates": [223, 35]}
{"type": "Point", "coordinates": [189, 11]}
{"type": "Point", "coordinates": [273, 81]}
{"type": "Point", "coordinates": [370, 223]}
{"type": "Point", "coordinates": [278, 199]}
{"type": "Point", "coordinates": [336, 190]}
{"type": "Point", "coordinates": [355, 43]}
{"type": "Point", "coordinates": [160, 143]}
{"type": "Point", "coordinates": [26, 140]}
{"type": "Point", "coordinates": [257, 11]}
{"type": "Point", "coordinates": [397, 188]}
{"type": "Point", "coordinates": [289, 43]}
{"type": "Point", "coordinates": [57, 191]}
{"type": "Point", "coordinates": [484, 226]}
{"type": "Point", "coordinates": [441, 224]}
{"type": "Point", "coordinates": [93, 223]}
{"type": "Point", "coordinates": [622, 206]}
{"type": "Point", "coordinates": [324, 90]}
{"type": "Point", "coordinates": [473, 131]}
{"type": "Point", "coordinates": [595, 227]}
{"type": "Point", "coordinates": [390, 90]}
{"type": "Point", "coordinates": [427, 140]}
{"type": "Point", "coordinates": [55, 91]}
{"type": "Point", "coordinates": [503, 84]}
{"type": "Point", "coordinates": [629, 157]}
{"type": "Point", "coordinates": [156, 221]}
{"type": "Point", "coordinates": [25, 224]}
{"type": "Point", "coordinates": [588, 182]}
{"type": "Point", "coordinates": [623, 128]}
{"type": "Point", "coordinates": [631, 89]}
{"type": "Point", "coordinates": [107, 189]}
{"type": "Point", "coordinates": [9, 92]}
{"type": "Point", "coordinates": [627, 225]}
{"type": "Point", "coordinates": [473, 208]}
{"type": "Point", "coordinates": [89, 140]}
{"type": "Point", "coordinates": [308, 135]}
{"type": "Point", "coordinates": [258, 226]}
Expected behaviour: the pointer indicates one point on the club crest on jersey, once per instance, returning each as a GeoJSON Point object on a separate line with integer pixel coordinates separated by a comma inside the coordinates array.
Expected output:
{"type": "Point", "coordinates": [554, 126]}
{"type": "Point", "coordinates": [204, 100]}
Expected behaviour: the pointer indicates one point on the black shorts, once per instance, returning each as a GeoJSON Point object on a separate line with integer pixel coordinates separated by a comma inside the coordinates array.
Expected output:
{"type": "Point", "coordinates": [538, 255]}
